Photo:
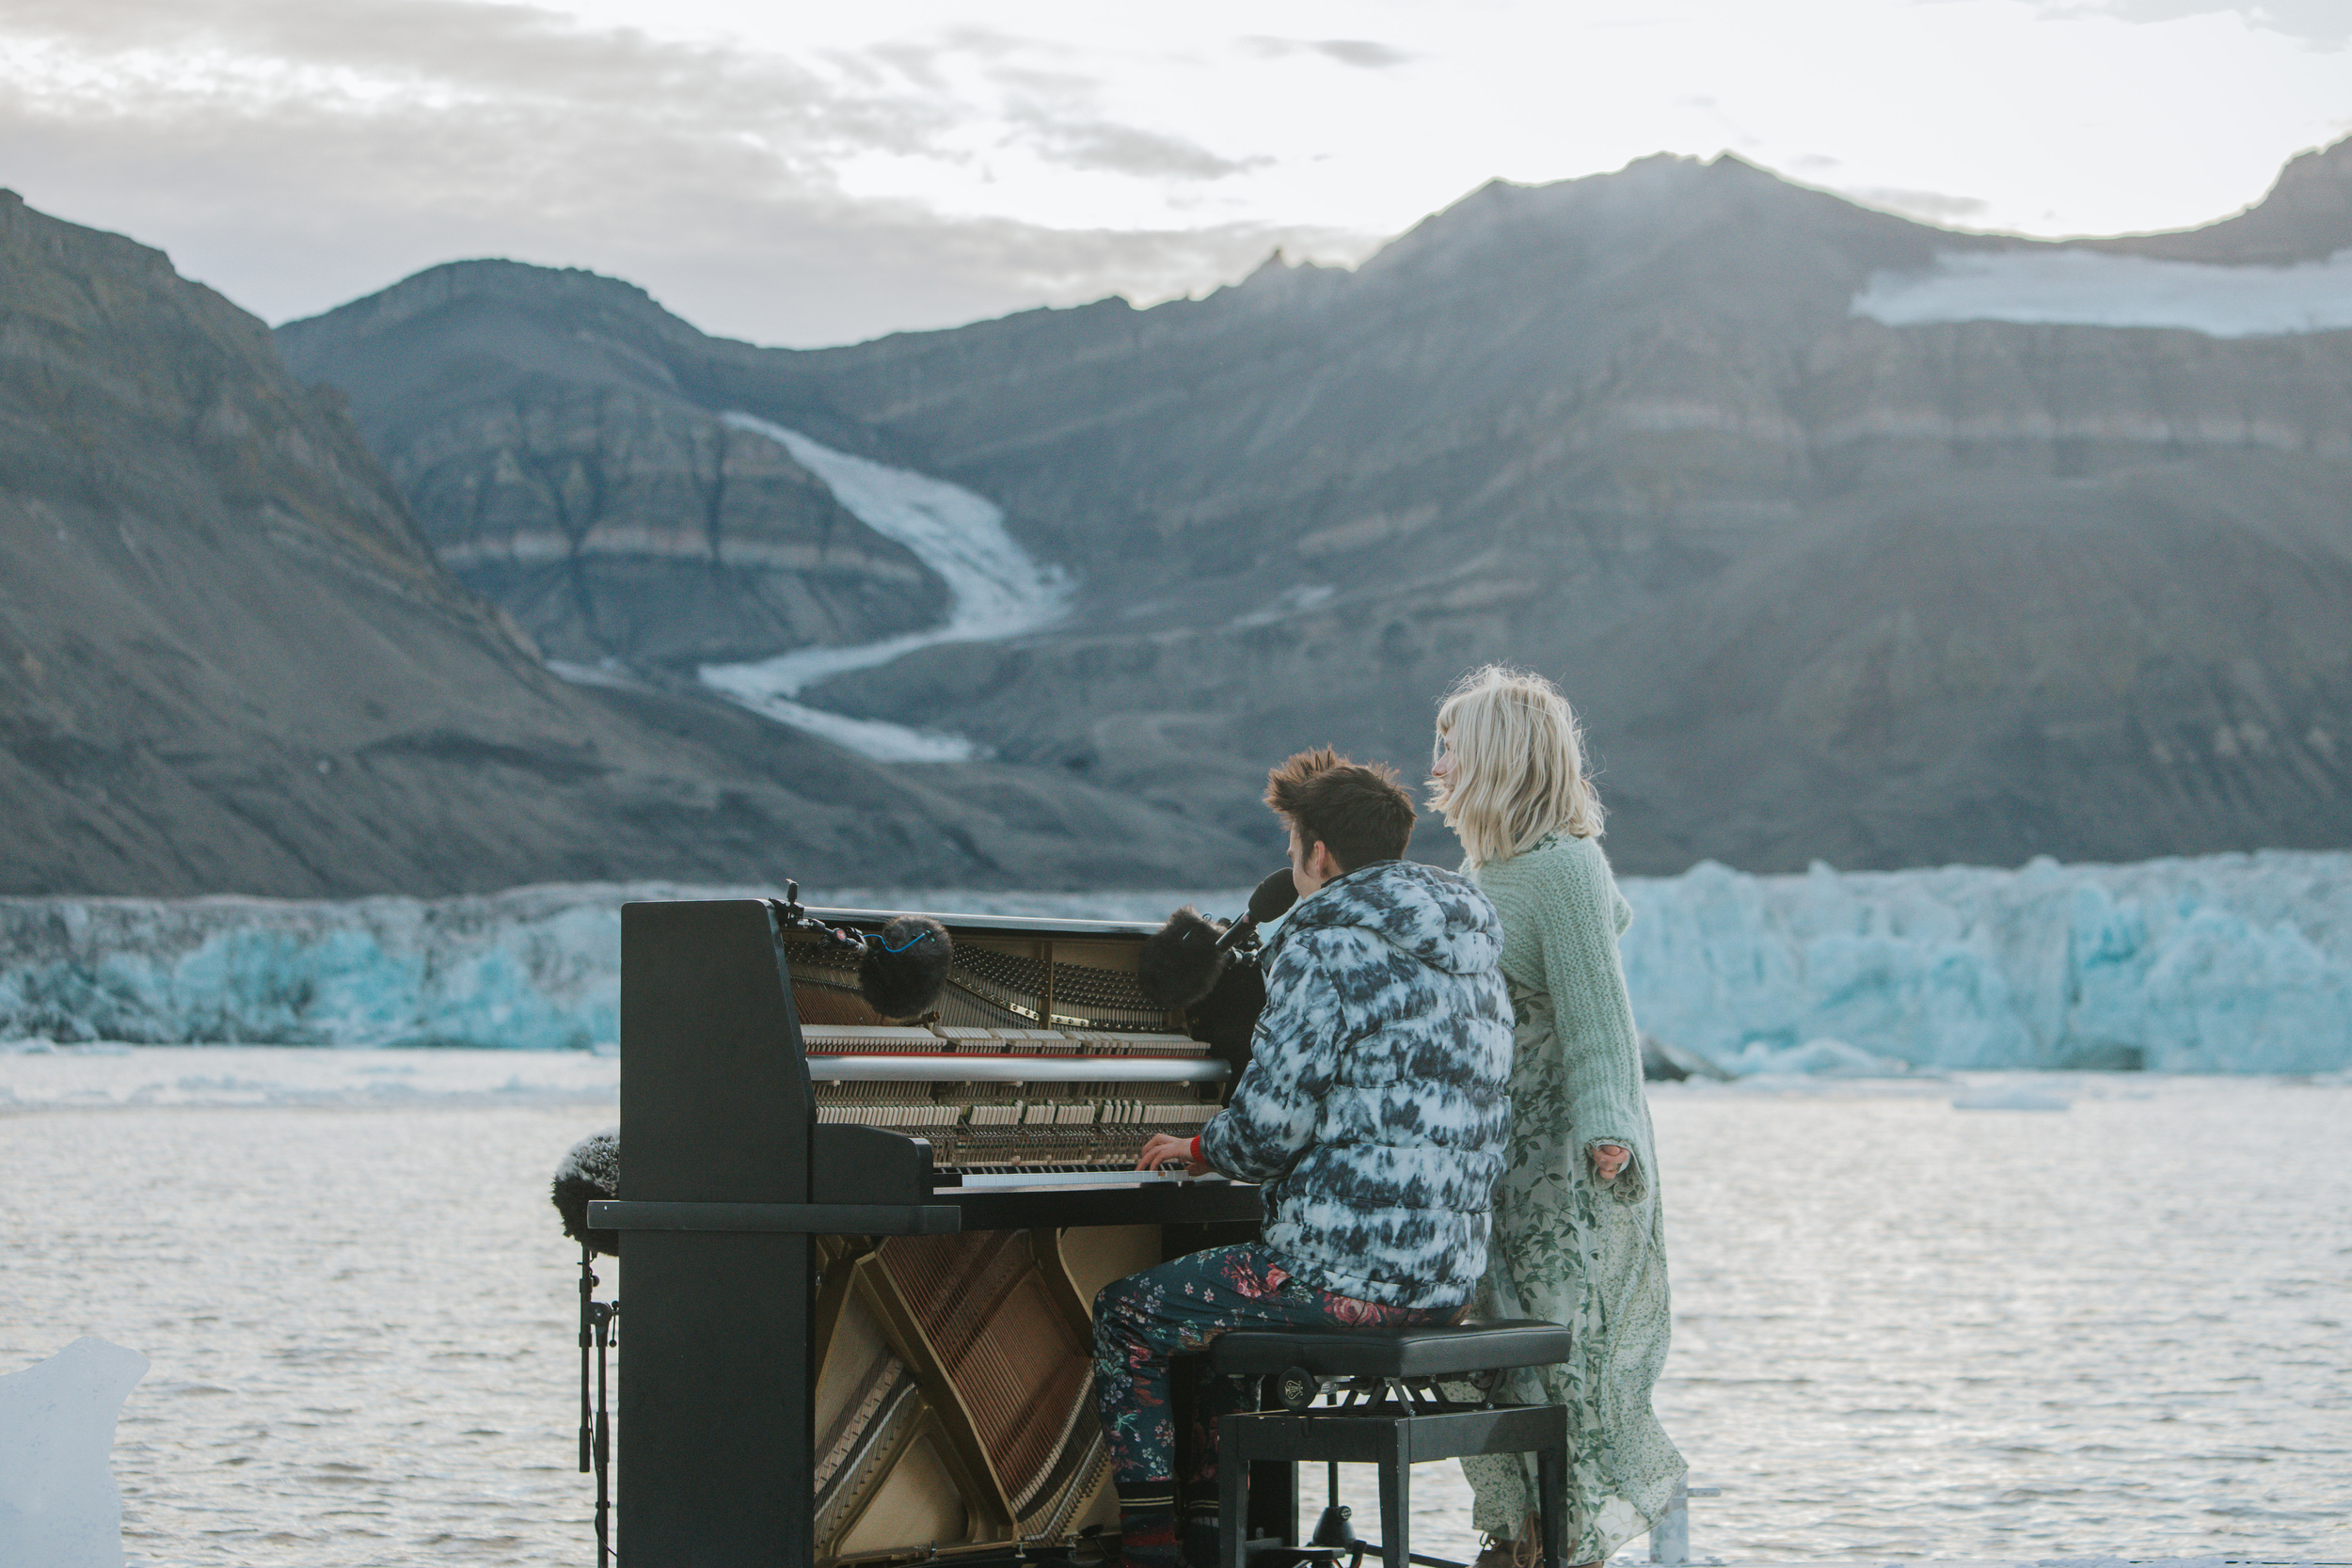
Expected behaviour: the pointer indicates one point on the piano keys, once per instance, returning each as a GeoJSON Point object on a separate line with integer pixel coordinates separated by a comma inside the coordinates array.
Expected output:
{"type": "Point", "coordinates": [861, 1254]}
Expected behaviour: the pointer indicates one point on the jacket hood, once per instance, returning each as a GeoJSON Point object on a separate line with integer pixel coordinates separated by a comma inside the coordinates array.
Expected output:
{"type": "Point", "coordinates": [1437, 916]}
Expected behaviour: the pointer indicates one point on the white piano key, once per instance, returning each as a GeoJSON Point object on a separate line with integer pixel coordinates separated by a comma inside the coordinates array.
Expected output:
{"type": "Point", "coordinates": [958, 1067]}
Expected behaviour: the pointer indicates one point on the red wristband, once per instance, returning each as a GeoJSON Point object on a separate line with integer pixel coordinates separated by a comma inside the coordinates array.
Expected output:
{"type": "Point", "coordinates": [1196, 1150]}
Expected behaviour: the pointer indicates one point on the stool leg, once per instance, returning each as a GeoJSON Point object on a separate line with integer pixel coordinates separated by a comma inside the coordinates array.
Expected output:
{"type": "Point", "coordinates": [1397, 1503]}
{"type": "Point", "coordinates": [1551, 1488]}
{"type": "Point", "coordinates": [1232, 1491]}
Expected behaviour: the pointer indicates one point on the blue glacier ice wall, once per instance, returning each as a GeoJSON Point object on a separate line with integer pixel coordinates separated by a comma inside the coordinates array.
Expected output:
{"type": "Point", "coordinates": [2223, 963]}
{"type": "Point", "coordinates": [2220, 963]}
{"type": "Point", "coordinates": [536, 968]}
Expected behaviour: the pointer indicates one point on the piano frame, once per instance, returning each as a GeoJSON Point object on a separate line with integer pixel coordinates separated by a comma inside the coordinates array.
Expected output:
{"type": "Point", "coordinates": [729, 1182]}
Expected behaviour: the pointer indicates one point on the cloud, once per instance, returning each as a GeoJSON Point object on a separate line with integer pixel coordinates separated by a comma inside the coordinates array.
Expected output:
{"type": "Point", "coordinates": [291, 211]}
{"type": "Point", "coordinates": [192, 63]}
{"type": "Point", "coordinates": [1125, 150]}
{"type": "Point", "coordinates": [1363, 53]}
{"type": "Point", "coordinates": [1927, 206]}
{"type": "Point", "coordinates": [2326, 24]}
{"type": "Point", "coordinates": [295, 156]}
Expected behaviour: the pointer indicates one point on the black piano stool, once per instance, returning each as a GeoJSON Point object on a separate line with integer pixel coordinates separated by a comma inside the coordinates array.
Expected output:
{"type": "Point", "coordinates": [1393, 1417]}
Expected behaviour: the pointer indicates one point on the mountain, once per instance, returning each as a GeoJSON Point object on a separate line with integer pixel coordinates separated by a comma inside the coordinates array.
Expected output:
{"type": "Point", "coordinates": [2306, 216]}
{"type": "Point", "coordinates": [229, 662]}
{"type": "Point", "coordinates": [1821, 586]}
{"type": "Point", "coordinates": [554, 466]}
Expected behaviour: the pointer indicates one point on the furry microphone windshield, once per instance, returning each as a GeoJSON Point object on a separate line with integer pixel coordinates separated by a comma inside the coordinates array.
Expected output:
{"type": "Point", "coordinates": [591, 1172]}
{"type": "Point", "coordinates": [1179, 963]}
{"type": "Point", "coordinates": [905, 968]}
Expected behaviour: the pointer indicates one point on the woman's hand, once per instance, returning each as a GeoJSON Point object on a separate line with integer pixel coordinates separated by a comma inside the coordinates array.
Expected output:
{"type": "Point", "coordinates": [1609, 1160]}
{"type": "Point", "coordinates": [1164, 1149]}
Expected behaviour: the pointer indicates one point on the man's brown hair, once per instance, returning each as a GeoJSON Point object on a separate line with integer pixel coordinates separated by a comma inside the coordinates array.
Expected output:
{"type": "Point", "coordinates": [1358, 812]}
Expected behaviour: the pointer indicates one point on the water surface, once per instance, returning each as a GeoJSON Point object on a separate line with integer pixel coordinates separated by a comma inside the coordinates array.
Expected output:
{"type": "Point", "coordinates": [1901, 1329]}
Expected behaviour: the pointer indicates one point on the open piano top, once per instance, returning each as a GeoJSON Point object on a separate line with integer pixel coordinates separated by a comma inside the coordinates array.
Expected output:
{"type": "Point", "coordinates": [892, 1231]}
{"type": "Point", "coordinates": [1044, 1063]}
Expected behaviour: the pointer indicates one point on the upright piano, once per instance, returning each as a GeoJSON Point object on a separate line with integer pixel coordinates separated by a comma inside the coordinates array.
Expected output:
{"type": "Point", "coordinates": [860, 1257]}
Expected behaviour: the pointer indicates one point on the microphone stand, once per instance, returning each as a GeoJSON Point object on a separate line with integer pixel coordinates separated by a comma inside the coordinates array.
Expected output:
{"type": "Point", "coordinates": [792, 917]}
{"type": "Point", "coordinates": [597, 1332]}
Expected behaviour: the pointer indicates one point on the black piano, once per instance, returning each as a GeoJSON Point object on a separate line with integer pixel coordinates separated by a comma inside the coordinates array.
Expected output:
{"type": "Point", "coordinates": [860, 1255]}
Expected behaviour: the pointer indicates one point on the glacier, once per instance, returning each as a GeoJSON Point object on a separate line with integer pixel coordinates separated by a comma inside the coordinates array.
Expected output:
{"type": "Point", "coordinates": [2092, 288]}
{"type": "Point", "coordinates": [2220, 963]}
{"type": "Point", "coordinates": [535, 967]}
{"type": "Point", "coordinates": [995, 591]}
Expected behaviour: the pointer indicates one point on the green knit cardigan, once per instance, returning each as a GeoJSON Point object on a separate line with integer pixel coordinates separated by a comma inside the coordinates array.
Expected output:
{"type": "Point", "coordinates": [1561, 916]}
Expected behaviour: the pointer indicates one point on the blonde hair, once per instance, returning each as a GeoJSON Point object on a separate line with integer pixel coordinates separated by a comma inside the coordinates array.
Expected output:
{"type": "Point", "coordinates": [1519, 766]}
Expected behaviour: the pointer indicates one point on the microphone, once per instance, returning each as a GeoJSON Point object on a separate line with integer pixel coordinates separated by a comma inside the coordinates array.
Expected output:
{"type": "Point", "coordinates": [590, 1172]}
{"type": "Point", "coordinates": [1227, 1018]}
{"type": "Point", "coordinates": [1271, 900]}
{"type": "Point", "coordinates": [1179, 962]}
{"type": "Point", "coordinates": [1186, 959]}
{"type": "Point", "coordinates": [901, 970]}
{"type": "Point", "coordinates": [904, 969]}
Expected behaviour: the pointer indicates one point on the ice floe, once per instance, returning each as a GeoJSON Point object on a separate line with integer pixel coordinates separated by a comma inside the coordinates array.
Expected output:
{"type": "Point", "coordinates": [60, 1506]}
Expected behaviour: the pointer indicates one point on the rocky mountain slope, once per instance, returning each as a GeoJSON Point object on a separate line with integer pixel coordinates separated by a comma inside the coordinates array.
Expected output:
{"type": "Point", "coordinates": [229, 663]}
{"type": "Point", "coordinates": [554, 466]}
{"type": "Point", "coordinates": [2306, 216]}
{"type": "Point", "coordinates": [1823, 587]}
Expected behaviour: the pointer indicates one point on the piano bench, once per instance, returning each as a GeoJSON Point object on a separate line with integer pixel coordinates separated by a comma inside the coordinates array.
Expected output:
{"type": "Point", "coordinates": [1405, 1421]}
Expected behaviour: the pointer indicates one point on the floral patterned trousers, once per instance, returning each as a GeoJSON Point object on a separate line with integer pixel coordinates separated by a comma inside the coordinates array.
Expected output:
{"type": "Point", "coordinates": [1144, 1319]}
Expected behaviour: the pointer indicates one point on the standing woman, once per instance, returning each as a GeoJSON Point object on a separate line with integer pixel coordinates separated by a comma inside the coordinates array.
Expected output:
{"type": "Point", "coordinates": [1578, 1237]}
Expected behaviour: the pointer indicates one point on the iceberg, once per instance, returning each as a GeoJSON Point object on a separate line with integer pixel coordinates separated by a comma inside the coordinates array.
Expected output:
{"type": "Point", "coordinates": [2219, 963]}
{"type": "Point", "coordinates": [60, 1506]}
{"type": "Point", "coordinates": [2011, 1097]}
{"type": "Point", "coordinates": [1818, 1058]}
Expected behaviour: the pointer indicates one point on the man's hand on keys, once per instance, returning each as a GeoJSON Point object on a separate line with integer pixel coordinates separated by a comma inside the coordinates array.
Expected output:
{"type": "Point", "coordinates": [1164, 1149]}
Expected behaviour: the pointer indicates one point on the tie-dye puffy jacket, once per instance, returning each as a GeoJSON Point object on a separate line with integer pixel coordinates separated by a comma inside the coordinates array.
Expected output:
{"type": "Point", "coordinates": [1376, 1106]}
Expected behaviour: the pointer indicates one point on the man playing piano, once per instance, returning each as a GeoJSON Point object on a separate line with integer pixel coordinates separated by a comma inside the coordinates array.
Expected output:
{"type": "Point", "coordinates": [1375, 1111]}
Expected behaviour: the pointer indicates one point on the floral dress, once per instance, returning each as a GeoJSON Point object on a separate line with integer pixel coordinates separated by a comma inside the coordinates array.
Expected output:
{"type": "Point", "coordinates": [1588, 1254]}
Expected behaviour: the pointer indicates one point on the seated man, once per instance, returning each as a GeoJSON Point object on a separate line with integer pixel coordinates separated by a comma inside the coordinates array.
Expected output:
{"type": "Point", "coordinates": [1374, 1110]}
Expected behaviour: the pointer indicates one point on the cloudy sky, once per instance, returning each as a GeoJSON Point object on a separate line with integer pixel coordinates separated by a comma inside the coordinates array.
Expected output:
{"type": "Point", "coordinates": [806, 173]}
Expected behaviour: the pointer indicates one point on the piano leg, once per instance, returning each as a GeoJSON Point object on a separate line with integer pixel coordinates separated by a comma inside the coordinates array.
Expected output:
{"type": "Point", "coordinates": [1230, 1526]}
{"type": "Point", "coordinates": [715, 1399]}
{"type": "Point", "coordinates": [1396, 1502]}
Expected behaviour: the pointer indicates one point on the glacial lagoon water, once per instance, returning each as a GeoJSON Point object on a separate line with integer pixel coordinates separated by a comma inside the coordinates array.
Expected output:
{"type": "Point", "coordinates": [1902, 1329]}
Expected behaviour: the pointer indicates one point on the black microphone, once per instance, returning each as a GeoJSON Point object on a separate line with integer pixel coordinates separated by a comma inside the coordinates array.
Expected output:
{"type": "Point", "coordinates": [903, 970]}
{"type": "Point", "coordinates": [1228, 1016]}
{"type": "Point", "coordinates": [1270, 900]}
{"type": "Point", "coordinates": [1185, 960]}
{"type": "Point", "coordinates": [589, 1173]}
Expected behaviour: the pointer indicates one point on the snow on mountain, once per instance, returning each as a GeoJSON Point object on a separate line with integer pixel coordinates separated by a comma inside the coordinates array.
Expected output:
{"type": "Point", "coordinates": [2225, 963]}
{"type": "Point", "coordinates": [2090, 287]}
